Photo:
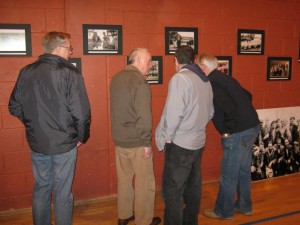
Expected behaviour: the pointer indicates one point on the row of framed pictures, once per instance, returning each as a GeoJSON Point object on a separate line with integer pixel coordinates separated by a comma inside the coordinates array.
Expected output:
{"type": "Point", "coordinates": [278, 68]}
{"type": "Point", "coordinates": [107, 39]}
{"type": "Point", "coordinates": [15, 40]}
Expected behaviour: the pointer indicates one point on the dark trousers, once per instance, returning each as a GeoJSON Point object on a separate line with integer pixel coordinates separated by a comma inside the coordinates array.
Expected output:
{"type": "Point", "coordinates": [181, 185]}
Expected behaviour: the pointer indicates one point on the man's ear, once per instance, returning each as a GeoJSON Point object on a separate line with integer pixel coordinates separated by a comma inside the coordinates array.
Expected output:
{"type": "Point", "coordinates": [176, 61]}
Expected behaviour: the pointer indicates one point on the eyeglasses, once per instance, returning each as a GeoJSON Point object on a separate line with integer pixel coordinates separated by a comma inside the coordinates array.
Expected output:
{"type": "Point", "coordinates": [69, 48]}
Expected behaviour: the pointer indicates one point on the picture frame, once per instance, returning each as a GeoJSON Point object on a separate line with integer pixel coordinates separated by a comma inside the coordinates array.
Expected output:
{"type": "Point", "coordinates": [225, 64]}
{"type": "Point", "coordinates": [102, 39]}
{"type": "Point", "coordinates": [155, 75]}
{"type": "Point", "coordinates": [15, 40]}
{"type": "Point", "coordinates": [177, 36]}
{"type": "Point", "coordinates": [250, 42]}
{"type": "Point", "coordinates": [76, 62]}
{"type": "Point", "coordinates": [279, 68]}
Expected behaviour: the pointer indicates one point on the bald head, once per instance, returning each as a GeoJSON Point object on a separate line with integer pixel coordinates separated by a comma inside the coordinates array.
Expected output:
{"type": "Point", "coordinates": [141, 59]}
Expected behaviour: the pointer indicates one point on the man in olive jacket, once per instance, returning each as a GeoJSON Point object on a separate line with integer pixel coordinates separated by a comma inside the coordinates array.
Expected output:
{"type": "Point", "coordinates": [131, 121]}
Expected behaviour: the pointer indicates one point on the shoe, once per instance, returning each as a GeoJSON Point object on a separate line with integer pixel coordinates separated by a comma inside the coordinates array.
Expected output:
{"type": "Point", "coordinates": [244, 213]}
{"type": "Point", "coordinates": [155, 221]}
{"type": "Point", "coordinates": [211, 214]}
{"type": "Point", "coordinates": [125, 221]}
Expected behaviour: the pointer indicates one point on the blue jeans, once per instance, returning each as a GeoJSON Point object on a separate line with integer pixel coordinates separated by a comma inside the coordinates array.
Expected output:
{"type": "Point", "coordinates": [181, 184]}
{"type": "Point", "coordinates": [236, 173]}
{"type": "Point", "coordinates": [53, 172]}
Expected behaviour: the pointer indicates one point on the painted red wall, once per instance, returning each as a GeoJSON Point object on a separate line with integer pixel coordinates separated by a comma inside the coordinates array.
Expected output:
{"type": "Point", "coordinates": [143, 25]}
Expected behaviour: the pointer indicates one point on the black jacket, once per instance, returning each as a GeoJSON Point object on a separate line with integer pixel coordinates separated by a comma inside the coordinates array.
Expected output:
{"type": "Point", "coordinates": [51, 101]}
{"type": "Point", "coordinates": [234, 111]}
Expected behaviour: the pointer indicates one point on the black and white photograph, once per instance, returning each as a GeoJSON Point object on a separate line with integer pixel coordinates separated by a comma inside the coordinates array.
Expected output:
{"type": "Point", "coordinates": [155, 75]}
{"type": "Point", "coordinates": [102, 39]}
{"type": "Point", "coordinates": [276, 151]}
{"type": "Point", "coordinates": [15, 40]}
{"type": "Point", "coordinates": [225, 64]}
{"type": "Point", "coordinates": [279, 68]}
{"type": "Point", "coordinates": [178, 36]}
{"type": "Point", "coordinates": [76, 62]}
{"type": "Point", "coordinates": [250, 42]}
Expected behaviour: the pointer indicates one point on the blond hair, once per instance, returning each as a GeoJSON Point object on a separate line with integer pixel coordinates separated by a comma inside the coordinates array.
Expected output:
{"type": "Point", "coordinates": [53, 39]}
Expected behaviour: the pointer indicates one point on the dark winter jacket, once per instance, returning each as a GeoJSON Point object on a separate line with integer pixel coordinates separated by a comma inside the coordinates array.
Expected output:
{"type": "Point", "coordinates": [51, 101]}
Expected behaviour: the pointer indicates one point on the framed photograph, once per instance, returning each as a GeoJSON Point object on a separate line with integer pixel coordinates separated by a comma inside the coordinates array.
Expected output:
{"type": "Point", "coordinates": [279, 68]}
{"type": "Point", "coordinates": [102, 39]}
{"type": "Point", "coordinates": [250, 42]}
{"type": "Point", "coordinates": [155, 75]}
{"type": "Point", "coordinates": [225, 64]}
{"type": "Point", "coordinates": [76, 62]}
{"type": "Point", "coordinates": [15, 40]}
{"type": "Point", "coordinates": [177, 36]}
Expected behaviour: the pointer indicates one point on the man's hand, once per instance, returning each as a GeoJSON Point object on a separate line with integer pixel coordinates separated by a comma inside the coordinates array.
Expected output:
{"type": "Point", "coordinates": [148, 152]}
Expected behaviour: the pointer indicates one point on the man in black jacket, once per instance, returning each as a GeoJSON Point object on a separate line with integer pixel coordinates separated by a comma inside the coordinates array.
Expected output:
{"type": "Point", "coordinates": [50, 99]}
{"type": "Point", "coordinates": [237, 121]}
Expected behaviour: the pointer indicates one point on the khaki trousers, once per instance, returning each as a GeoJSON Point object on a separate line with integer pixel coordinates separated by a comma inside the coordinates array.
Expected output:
{"type": "Point", "coordinates": [131, 164]}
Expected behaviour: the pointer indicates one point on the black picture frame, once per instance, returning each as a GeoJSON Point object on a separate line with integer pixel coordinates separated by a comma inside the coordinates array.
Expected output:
{"type": "Point", "coordinates": [76, 62]}
{"type": "Point", "coordinates": [102, 39]}
{"type": "Point", "coordinates": [225, 64]}
{"type": "Point", "coordinates": [299, 49]}
{"type": "Point", "coordinates": [279, 68]}
{"type": "Point", "coordinates": [15, 40]}
{"type": "Point", "coordinates": [250, 42]}
{"type": "Point", "coordinates": [155, 75]}
{"type": "Point", "coordinates": [176, 36]}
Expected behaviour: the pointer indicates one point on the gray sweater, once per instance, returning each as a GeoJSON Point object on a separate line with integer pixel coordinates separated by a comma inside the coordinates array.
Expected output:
{"type": "Point", "coordinates": [130, 109]}
{"type": "Point", "coordinates": [188, 109]}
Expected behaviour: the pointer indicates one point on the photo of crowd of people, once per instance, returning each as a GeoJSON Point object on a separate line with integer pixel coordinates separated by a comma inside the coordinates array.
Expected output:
{"type": "Point", "coordinates": [251, 42]}
{"type": "Point", "coordinates": [276, 151]}
{"type": "Point", "coordinates": [279, 68]}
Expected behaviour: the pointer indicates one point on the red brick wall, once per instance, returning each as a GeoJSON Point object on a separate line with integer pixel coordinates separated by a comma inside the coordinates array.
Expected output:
{"type": "Point", "coordinates": [143, 26]}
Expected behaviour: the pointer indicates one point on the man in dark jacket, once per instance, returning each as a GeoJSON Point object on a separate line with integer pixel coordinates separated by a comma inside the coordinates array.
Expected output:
{"type": "Point", "coordinates": [237, 121]}
{"type": "Point", "coordinates": [50, 99]}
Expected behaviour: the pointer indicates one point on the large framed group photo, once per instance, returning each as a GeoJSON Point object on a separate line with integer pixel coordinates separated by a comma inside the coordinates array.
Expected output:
{"type": "Point", "coordinates": [102, 39]}
{"type": "Point", "coordinates": [178, 36]}
{"type": "Point", "coordinates": [279, 68]}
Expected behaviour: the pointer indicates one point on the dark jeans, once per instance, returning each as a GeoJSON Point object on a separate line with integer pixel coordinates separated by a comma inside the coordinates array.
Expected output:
{"type": "Point", "coordinates": [181, 185]}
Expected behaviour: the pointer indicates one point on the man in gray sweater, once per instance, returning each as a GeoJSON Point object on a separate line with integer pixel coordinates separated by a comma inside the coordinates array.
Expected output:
{"type": "Point", "coordinates": [182, 130]}
{"type": "Point", "coordinates": [131, 121]}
